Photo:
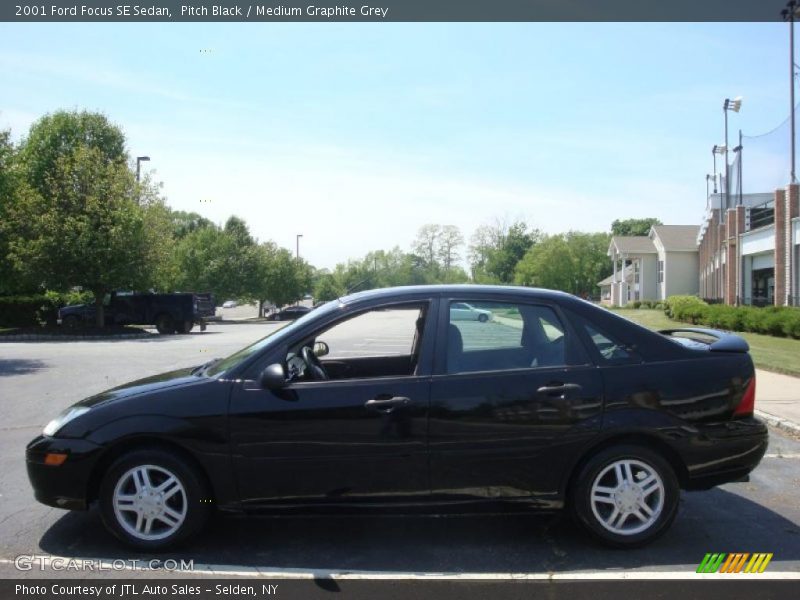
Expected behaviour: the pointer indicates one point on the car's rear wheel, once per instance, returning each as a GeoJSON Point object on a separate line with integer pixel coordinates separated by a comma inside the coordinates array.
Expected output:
{"type": "Point", "coordinates": [626, 496]}
{"type": "Point", "coordinates": [151, 499]}
{"type": "Point", "coordinates": [483, 318]}
{"type": "Point", "coordinates": [164, 324]}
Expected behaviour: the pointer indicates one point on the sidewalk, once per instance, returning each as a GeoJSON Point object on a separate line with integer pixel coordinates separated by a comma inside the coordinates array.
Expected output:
{"type": "Point", "coordinates": [778, 400]}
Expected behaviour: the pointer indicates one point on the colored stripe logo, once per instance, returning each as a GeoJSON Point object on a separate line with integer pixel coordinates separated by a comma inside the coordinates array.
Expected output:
{"type": "Point", "coordinates": [737, 562]}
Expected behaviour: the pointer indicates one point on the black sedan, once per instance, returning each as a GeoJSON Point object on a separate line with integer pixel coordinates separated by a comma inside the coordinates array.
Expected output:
{"type": "Point", "coordinates": [289, 314]}
{"type": "Point", "coordinates": [382, 400]}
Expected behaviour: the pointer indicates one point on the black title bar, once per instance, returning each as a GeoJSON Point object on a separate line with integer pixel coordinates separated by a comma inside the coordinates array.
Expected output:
{"type": "Point", "coordinates": [392, 10]}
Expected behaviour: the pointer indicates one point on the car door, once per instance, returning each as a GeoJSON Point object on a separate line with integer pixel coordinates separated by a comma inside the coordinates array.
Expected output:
{"type": "Point", "coordinates": [352, 439]}
{"type": "Point", "coordinates": [512, 401]}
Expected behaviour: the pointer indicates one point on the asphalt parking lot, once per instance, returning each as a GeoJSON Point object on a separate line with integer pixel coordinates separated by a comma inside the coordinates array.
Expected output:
{"type": "Point", "coordinates": [37, 380]}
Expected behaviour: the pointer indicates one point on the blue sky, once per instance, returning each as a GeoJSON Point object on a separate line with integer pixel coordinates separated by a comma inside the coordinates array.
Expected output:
{"type": "Point", "coordinates": [355, 135]}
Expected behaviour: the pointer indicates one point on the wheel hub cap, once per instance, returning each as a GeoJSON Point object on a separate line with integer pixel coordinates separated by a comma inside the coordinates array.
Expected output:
{"type": "Point", "coordinates": [627, 497]}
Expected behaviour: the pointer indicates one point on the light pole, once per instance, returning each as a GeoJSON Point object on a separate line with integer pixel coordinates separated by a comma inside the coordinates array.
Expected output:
{"type": "Point", "coordinates": [719, 149]}
{"type": "Point", "coordinates": [139, 161]}
{"type": "Point", "coordinates": [713, 178]}
{"type": "Point", "coordinates": [299, 235]}
{"type": "Point", "coordinates": [788, 14]}
{"type": "Point", "coordinates": [735, 105]}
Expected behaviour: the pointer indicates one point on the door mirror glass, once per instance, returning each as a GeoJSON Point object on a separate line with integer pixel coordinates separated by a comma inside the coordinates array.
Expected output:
{"type": "Point", "coordinates": [273, 377]}
{"type": "Point", "coordinates": [321, 349]}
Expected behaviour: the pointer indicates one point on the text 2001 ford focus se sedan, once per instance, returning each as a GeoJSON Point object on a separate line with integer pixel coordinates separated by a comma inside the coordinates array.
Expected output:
{"type": "Point", "coordinates": [381, 399]}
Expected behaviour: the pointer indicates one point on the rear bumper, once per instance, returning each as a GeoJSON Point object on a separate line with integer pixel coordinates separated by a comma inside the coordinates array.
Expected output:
{"type": "Point", "coordinates": [66, 485]}
{"type": "Point", "coordinates": [724, 452]}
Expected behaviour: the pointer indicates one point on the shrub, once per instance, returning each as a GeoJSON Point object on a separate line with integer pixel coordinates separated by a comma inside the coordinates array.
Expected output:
{"type": "Point", "coordinates": [636, 304]}
{"type": "Point", "coordinates": [647, 304]}
{"type": "Point", "coordinates": [791, 324]}
{"type": "Point", "coordinates": [33, 309]}
{"type": "Point", "coordinates": [771, 320]}
{"type": "Point", "coordinates": [686, 308]}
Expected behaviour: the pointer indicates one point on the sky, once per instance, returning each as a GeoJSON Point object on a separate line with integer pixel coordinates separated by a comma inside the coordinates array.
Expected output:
{"type": "Point", "coordinates": [355, 135]}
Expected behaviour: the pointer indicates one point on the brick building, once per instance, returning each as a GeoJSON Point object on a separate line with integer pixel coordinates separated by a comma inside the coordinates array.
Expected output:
{"type": "Point", "coordinates": [749, 253]}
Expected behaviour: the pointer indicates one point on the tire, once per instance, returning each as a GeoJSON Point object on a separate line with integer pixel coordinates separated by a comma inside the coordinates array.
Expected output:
{"type": "Point", "coordinates": [483, 318]}
{"type": "Point", "coordinates": [184, 327]}
{"type": "Point", "coordinates": [71, 322]}
{"type": "Point", "coordinates": [164, 324]}
{"type": "Point", "coordinates": [604, 518]}
{"type": "Point", "coordinates": [186, 499]}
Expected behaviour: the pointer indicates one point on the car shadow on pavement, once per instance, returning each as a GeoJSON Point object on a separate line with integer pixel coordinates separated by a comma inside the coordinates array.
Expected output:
{"type": "Point", "coordinates": [20, 366]}
{"type": "Point", "coordinates": [713, 521]}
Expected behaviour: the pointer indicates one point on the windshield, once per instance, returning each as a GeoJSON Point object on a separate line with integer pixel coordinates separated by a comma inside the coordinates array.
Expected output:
{"type": "Point", "coordinates": [237, 358]}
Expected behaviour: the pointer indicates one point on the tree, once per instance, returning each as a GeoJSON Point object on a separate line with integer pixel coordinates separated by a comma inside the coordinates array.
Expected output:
{"type": "Point", "coordinates": [328, 288]}
{"type": "Point", "coordinates": [449, 242]}
{"type": "Point", "coordinates": [633, 226]}
{"type": "Point", "coordinates": [572, 262]}
{"type": "Point", "coordinates": [56, 136]}
{"type": "Point", "coordinates": [85, 227]}
{"type": "Point", "coordinates": [496, 249]}
{"type": "Point", "coordinates": [10, 188]}
{"type": "Point", "coordinates": [184, 223]}
{"type": "Point", "coordinates": [280, 277]}
{"type": "Point", "coordinates": [224, 261]}
{"type": "Point", "coordinates": [426, 244]}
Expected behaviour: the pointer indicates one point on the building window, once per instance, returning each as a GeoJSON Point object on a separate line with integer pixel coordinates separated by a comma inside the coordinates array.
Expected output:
{"type": "Point", "coordinates": [661, 271]}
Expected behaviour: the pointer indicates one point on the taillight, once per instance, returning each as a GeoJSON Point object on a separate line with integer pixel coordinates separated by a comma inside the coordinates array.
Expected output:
{"type": "Point", "coordinates": [748, 403]}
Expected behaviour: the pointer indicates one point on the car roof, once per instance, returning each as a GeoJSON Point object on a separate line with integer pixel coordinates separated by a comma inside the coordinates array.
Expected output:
{"type": "Point", "coordinates": [413, 291]}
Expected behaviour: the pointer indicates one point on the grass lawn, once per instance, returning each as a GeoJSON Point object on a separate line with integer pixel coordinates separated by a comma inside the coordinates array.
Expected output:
{"type": "Point", "coordinates": [781, 355]}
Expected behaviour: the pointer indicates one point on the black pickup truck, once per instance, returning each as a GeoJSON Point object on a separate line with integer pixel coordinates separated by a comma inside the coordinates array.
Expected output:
{"type": "Point", "coordinates": [170, 313]}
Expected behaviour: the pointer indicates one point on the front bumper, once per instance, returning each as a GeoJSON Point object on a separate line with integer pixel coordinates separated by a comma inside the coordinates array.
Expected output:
{"type": "Point", "coordinates": [66, 485]}
{"type": "Point", "coordinates": [724, 452]}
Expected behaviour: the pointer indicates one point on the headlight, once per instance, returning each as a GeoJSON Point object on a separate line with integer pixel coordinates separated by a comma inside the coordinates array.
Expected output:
{"type": "Point", "coordinates": [65, 417]}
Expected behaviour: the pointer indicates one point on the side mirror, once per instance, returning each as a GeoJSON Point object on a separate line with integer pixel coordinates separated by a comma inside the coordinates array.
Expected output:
{"type": "Point", "coordinates": [321, 349]}
{"type": "Point", "coordinates": [273, 377]}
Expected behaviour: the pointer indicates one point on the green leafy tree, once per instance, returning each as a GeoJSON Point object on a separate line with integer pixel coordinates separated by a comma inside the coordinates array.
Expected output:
{"type": "Point", "coordinates": [278, 277]}
{"type": "Point", "coordinates": [10, 189]}
{"type": "Point", "coordinates": [222, 261]}
{"type": "Point", "coordinates": [633, 226]}
{"type": "Point", "coordinates": [56, 136]}
{"type": "Point", "coordinates": [86, 228]}
{"type": "Point", "coordinates": [496, 249]}
{"type": "Point", "coordinates": [184, 223]}
{"type": "Point", "coordinates": [327, 288]}
{"type": "Point", "coordinates": [572, 262]}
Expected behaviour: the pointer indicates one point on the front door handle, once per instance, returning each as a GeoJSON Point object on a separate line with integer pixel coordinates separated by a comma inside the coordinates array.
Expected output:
{"type": "Point", "coordinates": [558, 389]}
{"type": "Point", "coordinates": [387, 405]}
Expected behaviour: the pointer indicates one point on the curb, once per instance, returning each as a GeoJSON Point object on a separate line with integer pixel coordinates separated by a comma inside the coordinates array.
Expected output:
{"type": "Point", "coordinates": [38, 337]}
{"type": "Point", "coordinates": [779, 422]}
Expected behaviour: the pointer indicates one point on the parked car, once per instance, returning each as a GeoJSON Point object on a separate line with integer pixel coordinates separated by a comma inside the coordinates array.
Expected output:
{"type": "Point", "coordinates": [461, 311]}
{"type": "Point", "coordinates": [288, 314]}
{"type": "Point", "coordinates": [230, 304]}
{"type": "Point", "coordinates": [170, 313]}
{"type": "Point", "coordinates": [384, 399]}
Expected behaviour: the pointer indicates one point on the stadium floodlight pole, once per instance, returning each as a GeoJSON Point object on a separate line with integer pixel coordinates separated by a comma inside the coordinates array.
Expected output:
{"type": "Point", "coordinates": [710, 177]}
{"type": "Point", "coordinates": [718, 149]}
{"type": "Point", "coordinates": [735, 105]}
{"type": "Point", "coordinates": [139, 161]}
{"type": "Point", "coordinates": [299, 235]}
{"type": "Point", "coordinates": [789, 14]}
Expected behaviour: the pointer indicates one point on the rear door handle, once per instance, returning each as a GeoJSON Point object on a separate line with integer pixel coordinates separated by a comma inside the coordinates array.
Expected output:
{"type": "Point", "coordinates": [558, 389]}
{"type": "Point", "coordinates": [387, 405]}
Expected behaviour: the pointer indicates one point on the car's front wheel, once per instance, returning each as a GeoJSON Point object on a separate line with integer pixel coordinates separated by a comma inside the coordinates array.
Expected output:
{"type": "Point", "coordinates": [626, 496]}
{"type": "Point", "coordinates": [151, 499]}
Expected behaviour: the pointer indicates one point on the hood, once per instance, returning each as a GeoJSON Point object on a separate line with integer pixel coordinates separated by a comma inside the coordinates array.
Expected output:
{"type": "Point", "coordinates": [162, 381]}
